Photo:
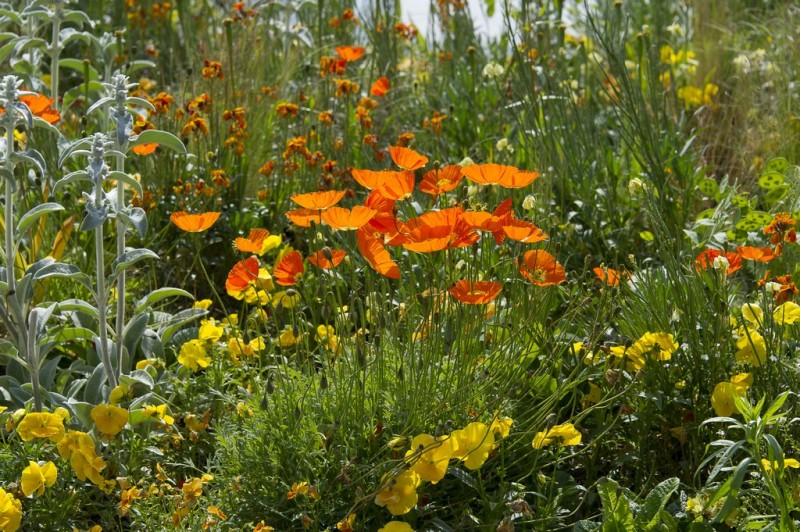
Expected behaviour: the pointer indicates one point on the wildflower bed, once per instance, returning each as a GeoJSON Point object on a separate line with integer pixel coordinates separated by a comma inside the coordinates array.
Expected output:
{"type": "Point", "coordinates": [299, 266]}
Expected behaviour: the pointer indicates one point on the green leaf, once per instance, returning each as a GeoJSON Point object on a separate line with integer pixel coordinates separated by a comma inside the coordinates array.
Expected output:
{"type": "Point", "coordinates": [168, 328]}
{"type": "Point", "coordinates": [127, 179]}
{"type": "Point", "coordinates": [159, 294]}
{"type": "Point", "coordinates": [162, 138]}
{"type": "Point", "coordinates": [779, 164]}
{"type": "Point", "coordinates": [708, 187]}
{"type": "Point", "coordinates": [617, 514]}
{"type": "Point", "coordinates": [129, 258]}
{"type": "Point", "coordinates": [30, 217]}
{"type": "Point", "coordinates": [61, 270]}
{"type": "Point", "coordinates": [649, 513]}
{"type": "Point", "coordinates": [138, 376]}
{"type": "Point", "coordinates": [79, 65]}
{"type": "Point", "coordinates": [770, 180]}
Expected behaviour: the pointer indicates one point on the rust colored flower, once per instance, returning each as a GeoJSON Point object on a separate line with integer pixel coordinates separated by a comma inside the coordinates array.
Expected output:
{"type": "Point", "coordinates": [406, 158]}
{"type": "Point", "coordinates": [475, 293]}
{"type": "Point", "coordinates": [212, 70]}
{"type": "Point", "coordinates": [327, 258]}
{"type": "Point", "coordinates": [287, 109]}
{"type": "Point", "coordinates": [441, 180]}
{"type": "Point", "coordinates": [194, 223]}
{"type": "Point", "coordinates": [343, 219]}
{"type": "Point", "coordinates": [196, 124]}
{"type": "Point", "coordinates": [288, 269]}
{"type": "Point", "coordinates": [716, 258]}
{"type": "Point", "coordinates": [350, 53]}
{"type": "Point", "coordinates": [756, 254]}
{"type": "Point", "coordinates": [541, 268]}
{"type": "Point", "coordinates": [318, 200]}
{"type": "Point", "coordinates": [380, 87]}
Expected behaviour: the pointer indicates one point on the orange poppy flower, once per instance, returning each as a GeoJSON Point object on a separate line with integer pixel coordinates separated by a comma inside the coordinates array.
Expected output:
{"type": "Point", "coordinates": [253, 243]}
{"type": "Point", "coordinates": [376, 255]}
{"type": "Point", "coordinates": [493, 222]}
{"type": "Point", "coordinates": [318, 200]}
{"type": "Point", "coordinates": [610, 276]}
{"type": "Point", "coordinates": [541, 268]}
{"type": "Point", "coordinates": [288, 268]}
{"type": "Point", "coordinates": [435, 231]}
{"type": "Point", "coordinates": [370, 179]}
{"type": "Point", "coordinates": [397, 186]}
{"type": "Point", "coordinates": [242, 275]}
{"type": "Point", "coordinates": [194, 223]}
{"type": "Point", "coordinates": [706, 258]}
{"type": "Point", "coordinates": [39, 105]}
{"type": "Point", "coordinates": [475, 293]}
{"type": "Point", "coordinates": [145, 149]}
{"type": "Point", "coordinates": [442, 180]}
{"type": "Point", "coordinates": [498, 174]}
{"type": "Point", "coordinates": [756, 254]}
{"type": "Point", "coordinates": [343, 219]}
{"type": "Point", "coordinates": [304, 217]}
{"type": "Point", "coordinates": [380, 87]}
{"type": "Point", "coordinates": [350, 53]}
{"type": "Point", "coordinates": [327, 260]}
{"type": "Point", "coordinates": [406, 158]}
{"type": "Point", "coordinates": [522, 231]}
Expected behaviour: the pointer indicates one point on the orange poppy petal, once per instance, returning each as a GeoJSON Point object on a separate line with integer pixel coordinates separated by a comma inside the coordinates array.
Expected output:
{"type": "Point", "coordinates": [289, 267]}
{"type": "Point", "coordinates": [369, 178]}
{"type": "Point", "coordinates": [380, 87]}
{"type": "Point", "coordinates": [523, 231]}
{"type": "Point", "coordinates": [350, 53]}
{"type": "Point", "coordinates": [443, 180]}
{"type": "Point", "coordinates": [610, 276]}
{"type": "Point", "coordinates": [397, 186]}
{"type": "Point", "coordinates": [242, 274]}
{"type": "Point", "coordinates": [406, 158]}
{"type": "Point", "coordinates": [304, 217]}
{"type": "Point", "coordinates": [145, 149]}
{"type": "Point", "coordinates": [475, 293]}
{"type": "Point", "coordinates": [253, 243]}
{"type": "Point", "coordinates": [756, 254]}
{"type": "Point", "coordinates": [343, 219]}
{"type": "Point", "coordinates": [318, 200]}
{"type": "Point", "coordinates": [376, 255]}
{"type": "Point", "coordinates": [541, 268]}
{"type": "Point", "coordinates": [489, 174]}
{"type": "Point", "coordinates": [327, 260]}
{"type": "Point", "coordinates": [194, 223]}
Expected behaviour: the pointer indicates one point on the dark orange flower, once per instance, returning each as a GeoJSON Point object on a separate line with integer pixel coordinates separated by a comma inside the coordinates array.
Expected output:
{"type": "Point", "coordinates": [374, 252]}
{"type": "Point", "coordinates": [541, 268]}
{"type": "Point", "coordinates": [350, 53]}
{"type": "Point", "coordinates": [707, 257]}
{"type": "Point", "coordinates": [475, 293]}
{"type": "Point", "coordinates": [406, 158]}
{"type": "Point", "coordinates": [194, 223]}
{"type": "Point", "coordinates": [498, 174]}
{"type": "Point", "coordinates": [327, 258]}
{"type": "Point", "coordinates": [343, 219]}
{"type": "Point", "coordinates": [39, 105]}
{"type": "Point", "coordinates": [441, 180]}
{"type": "Point", "coordinates": [397, 185]}
{"type": "Point", "coordinates": [304, 217]}
{"type": "Point", "coordinates": [242, 275]}
{"type": "Point", "coordinates": [380, 87]}
{"type": "Point", "coordinates": [318, 200]}
{"type": "Point", "coordinates": [370, 179]}
{"type": "Point", "coordinates": [610, 276]}
{"type": "Point", "coordinates": [288, 268]}
{"type": "Point", "coordinates": [493, 222]}
{"type": "Point", "coordinates": [435, 231]}
{"type": "Point", "coordinates": [756, 254]}
{"type": "Point", "coordinates": [253, 243]}
{"type": "Point", "coordinates": [145, 149]}
{"type": "Point", "coordinates": [522, 231]}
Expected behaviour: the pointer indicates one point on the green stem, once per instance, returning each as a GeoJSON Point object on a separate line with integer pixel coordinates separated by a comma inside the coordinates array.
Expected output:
{"type": "Point", "coordinates": [121, 228]}
{"type": "Point", "coordinates": [105, 357]}
{"type": "Point", "coordinates": [55, 53]}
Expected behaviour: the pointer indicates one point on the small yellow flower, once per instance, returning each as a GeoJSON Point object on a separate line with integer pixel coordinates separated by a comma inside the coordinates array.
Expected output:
{"type": "Point", "coordinates": [209, 331]}
{"type": "Point", "coordinates": [10, 512]}
{"type": "Point", "coordinates": [399, 495]}
{"type": "Point", "coordinates": [429, 456]}
{"type": "Point", "coordinates": [36, 478]}
{"type": "Point", "coordinates": [203, 304]}
{"type": "Point", "coordinates": [775, 466]}
{"type": "Point", "coordinates": [396, 526]}
{"type": "Point", "coordinates": [159, 412]}
{"type": "Point", "coordinates": [473, 444]}
{"type": "Point", "coordinates": [109, 419]}
{"type": "Point", "coordinates": [288, 338]}
{"type": "Point", "coordinates": [193, 355]}
{"type": "Point", "coordinates": [565, 435]}
{"type": "Point", "coordinates": [41, 425]}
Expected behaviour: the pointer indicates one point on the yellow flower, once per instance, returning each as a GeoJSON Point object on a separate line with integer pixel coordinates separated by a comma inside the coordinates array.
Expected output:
{"type": "Point", "coordinates": [326, 335]}
{"type": "Point", "coordinates": [119, 393]}
{"type": "Point", "coordinates": [288, 338]}
{"type": "Point", "coordinates": [159, 412]}
{"type": "Point", "coordinates": [193, 355]}
{"type": "Point", "coordinates": [78, 447]}
{"type": "Point", "coordinates": [775, 466]}
{"type": "Point", "coordinates": [724, 394]}
{"type": "Point", "coordinates": [192, 489]}
{"type": "Point", "coordinates": [109, 419]}
{"type": "Point", "coordinates": [209, 331]}
{"type": "Point", "coordinates": [213, 510]}
{"type": "Point", "coordinates": [753, 313]}
{"type": "Point", "coordinates": [565, 435]}
{"type": "Point", "coordinates": [399, 495]}
{"type": "Point", "coordinates": [203, 304]}
{"type": "Point", "coordinates": [751, 348]}
{"type": "Point", "coordinates": [473, 444]}
{"type": "Point", "coordinates": [41, 425]}
{"type": "Point", "coordinates": [35, 478]}
{"type": "Point", "coordinates": [501, 426]}
{"type": "Point", "coordinates": [396, 526]}
{"type": "Point", "coordinates": [429, 456]}
{"type": "Point", "coordinates": [787, 313]}
{"type": "Point", "coordinates": [286, 300]}
{"type": "Point", "coordinates": [302, 488]}
{"type": "Point", "coordinates": [270, 243]}
{"type": "Point", "coordinates": [346, 524]}
{"type": "Point", "coordinates": [10, 512]}
{"type": "Point", "coordinates": [661, 345]}
{"type": "Point", "coordinates": [126, 498]}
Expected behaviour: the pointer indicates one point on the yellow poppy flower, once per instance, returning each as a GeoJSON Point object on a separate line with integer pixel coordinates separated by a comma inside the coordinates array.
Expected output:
{"type": "Point", "coordinates": [193, 355]}
{"type": "Point", "coordinates": [36, 478]}
{"type": "Point", "coordinates": [10, 512]}
{"type": "Point", "coordinates": [41, 425]}
{"type": "Point", "coordinates": [473, 444]}
{"type": "Point", "coordinates": [565, 435]}
{"type": "Point", "coordinates": [399, 496]}
{"type": "Point", "coordinates": [109, 419]}
{"type": "Point", "coordinates": [429, 456]}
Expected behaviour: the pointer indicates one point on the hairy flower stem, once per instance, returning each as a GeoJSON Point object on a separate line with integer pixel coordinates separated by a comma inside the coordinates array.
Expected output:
{"type": "Point", "coordinates": [102, 302]}
{"type": "Point", "coordinates": [55, 53]}
{"type": "Point", "coordinates": [121, 228]}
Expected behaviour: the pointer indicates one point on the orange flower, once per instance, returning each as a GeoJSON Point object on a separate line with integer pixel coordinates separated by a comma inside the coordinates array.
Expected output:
{"type": "Point", "coordinates": [370, 179]}
{"type": "Point", "coordinates": [318, 200]}
{"type": "Point", "coordinates": [375, 254]}
{"type": "Point", "coordinates": [435, 231]}
{"type": "Point", "coordinates": [39, 105]}
{"type": "Point", "coordinates": [380, 87]}
{"type": "Point", "coordinates": [707, 258]}
{"type": "Point", "coordinates": [343, 219]}
{"type": "Point", "coordinates": [498, 174]}
{"type": "Point", "coordinates": [406, 158]}
{"type": "Point", "coordinates": [289, 267]}
{"type": "Point", "coordinates": [756, 254]}
{"type": "Point", "coordinates": [397, 185]}
{"type": "Point", "coordinates": [327, 258]}
{"type": "Point", "coordinates": [541, 268]}
{"type": "Point", "coordinates": [304, 217]}
{"type": "Point", "coordinates": [522, 231]}
{"type": "Point", "coordinates": [475, 293]}
{"type": "Point", "coordinates": [242, 275]}
{"type": "Point", "coordinates": [253, 243]}
{"type": "Point", "coordinates": [441, 180]}
{"type": "Point", "coordinates": [350, 53]}
{"type": "Point", "coordinates": [194, 223]}
{"type": "Point", "coordinates": [610, 276]}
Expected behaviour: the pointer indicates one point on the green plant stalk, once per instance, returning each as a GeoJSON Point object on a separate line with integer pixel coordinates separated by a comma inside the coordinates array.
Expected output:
{"type": "Point", "coordinates": [33, 363]}
{"type": "Point", "coordinates": [101, 295]}
{"type": "Point", "coordinates": [121, 228]}
{"type": "Point", "coordinates": [55, 53]}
